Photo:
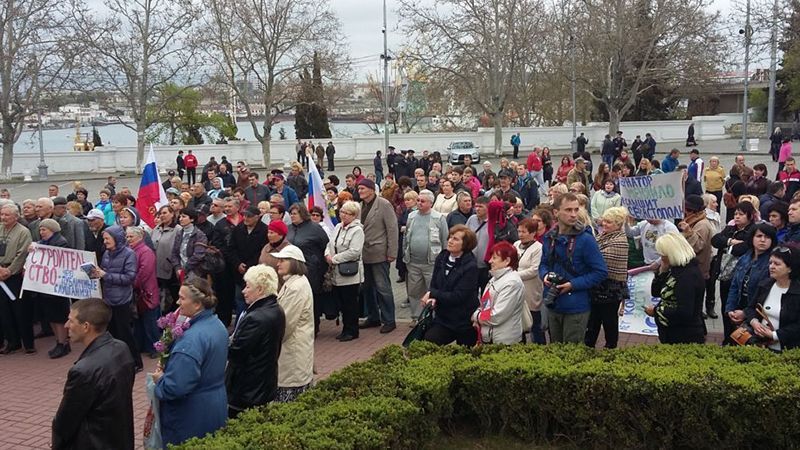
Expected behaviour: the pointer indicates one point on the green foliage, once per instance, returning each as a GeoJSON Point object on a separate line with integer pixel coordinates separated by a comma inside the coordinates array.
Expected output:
{"type": "Point", "coordinates": [758, 99]}
{"type": "Point", "coordinates": [650, 396]}
{"type": "Point", "coordinates": [311, 114]}
{"type": "Point", "coordinates": [788, 76]}
{"type": "Point", "coordinates": [179, 119]}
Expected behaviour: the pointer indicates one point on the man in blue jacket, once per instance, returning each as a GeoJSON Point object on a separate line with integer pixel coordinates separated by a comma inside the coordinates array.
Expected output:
{"type": "Point", "coordinates": [670, 163]}
{"type": "Point", "coordinates": [571, 252]}
{"type": "Point", "coordinates": [289, 195]}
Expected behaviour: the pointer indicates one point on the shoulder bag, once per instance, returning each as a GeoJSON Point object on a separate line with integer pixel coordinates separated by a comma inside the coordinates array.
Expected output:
{"type": "Point", "coordinates": [347, 268]}
{"type": "Point", "coordinates": [727, 265]}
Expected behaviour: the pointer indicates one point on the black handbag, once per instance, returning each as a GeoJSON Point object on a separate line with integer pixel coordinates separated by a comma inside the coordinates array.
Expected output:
{"type": "Point", "coordinates": [423, 324]}
{"type": "Point", "coordinates": [213, 260]}
{"type": "Point", "coordinates": [347, 268]}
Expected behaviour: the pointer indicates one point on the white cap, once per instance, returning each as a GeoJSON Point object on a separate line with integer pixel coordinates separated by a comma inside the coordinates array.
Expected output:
{"type": "Point", "coordinates": [290, 252]}
{"type": "Point", "coordinates": [95, 214]}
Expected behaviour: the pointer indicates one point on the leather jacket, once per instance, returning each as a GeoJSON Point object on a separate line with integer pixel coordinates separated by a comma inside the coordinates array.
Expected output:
{"type": "Point", "coordinates": [251, 377]}
{"type": "Point", "coordinates": [96, 411]}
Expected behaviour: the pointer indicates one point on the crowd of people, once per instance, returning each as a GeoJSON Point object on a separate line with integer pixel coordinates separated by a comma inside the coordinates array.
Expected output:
{"type": "Point", "coordinates": [524, 252]}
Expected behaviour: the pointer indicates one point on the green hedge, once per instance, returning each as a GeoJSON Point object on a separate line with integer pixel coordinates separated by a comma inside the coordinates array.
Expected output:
{"type": "Point", "coordinates": [641, 397]}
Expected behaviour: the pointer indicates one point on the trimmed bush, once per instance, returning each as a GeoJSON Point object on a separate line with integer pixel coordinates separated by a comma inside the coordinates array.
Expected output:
{"type": "Point", "coordinates": [684, 396]}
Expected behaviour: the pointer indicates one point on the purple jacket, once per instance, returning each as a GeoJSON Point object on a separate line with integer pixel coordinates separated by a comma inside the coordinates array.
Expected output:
{"type": "Point", "coordinates": [120, 267]}
{"type": "Point", "coordinates": [145, 285]}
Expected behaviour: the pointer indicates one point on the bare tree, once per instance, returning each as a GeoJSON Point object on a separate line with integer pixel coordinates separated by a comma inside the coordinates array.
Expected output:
{"type": "Point", "coordinates": [630, 46]}
{"type": "Point", "coordinates": [473, 43]}
{"type": "Point", "coordinates": [260, 48]}
{"type": "Point", "coordinates": [137, 48]}
{"type": "Point", "coordinates": [35, 53]}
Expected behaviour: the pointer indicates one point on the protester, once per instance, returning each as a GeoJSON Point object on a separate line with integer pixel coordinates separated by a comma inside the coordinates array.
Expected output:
{"type": "Point", "coordinates": [96, 409]}
{"type": "Point", "coordinates": [733, 240]}
{"type": "Point", "coordinates": [790, 177]}
{"type": "Point", "coordinates": [604, 200]}
{"type": "Point", "coordinates": [698, 231]}
{"type": "Point", "coordinates": [501, 307]}
{"type": "Point", "coordinates": [607, 297]}
{"type": "Point", "coordinates": [380, 249]}
{"type": "Point", "coordinates": [564, 169]}
{"type": "Point", "coordinates": [16, 314]}
{"type": "Point", "coordinates": [751, 269]}
{"type": "Point", "coordinates": [778, 217]}
{"type": "Point", "coordinates": [648, 232]}
{"type": "Point", "coordinates": [680, 286]}
{"type": "Point", "coordinates": [145, 293]}
{"type": "Point", "coordinates": [529, 251]}
{"type": "Point", "coordinates": [276, 241]}
{"type": "Point", "coordinates": [296, 361]}
{"type": "Point", "coordinates": [425, 235]}
{"type": "Point", "coordinates": [251, 377]}
{"type": "Point", "coordinates": [344, 254]}
{"type": "Point", "coordinates": [779, 296]}
{"type": "Point", "coordinates": [446, 202]}
{"type": "Point", "coordinates": [188, 250]}
{"type": "Point", "coordinates": [245, 242]}
{"type": "Point", "coordinates": [191, 387]}
{"type": "Point", "coordinates": [55, 307]}
{"type": "Point", "coordinates": [461, 215]}
{"type": "Point", "coordinates": [312, 240]}
{"type": "Point", "coordinates": [670, 162]}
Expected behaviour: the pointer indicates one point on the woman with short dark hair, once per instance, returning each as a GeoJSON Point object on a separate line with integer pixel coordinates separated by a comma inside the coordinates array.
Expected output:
{"type": "Point", "coordinates": [453, 293]}
{"type": "Point", "coordinates": [751, 269]}
{"type": "Point", "coordinates": [778, 299]}
{"type": "Point", "coordinates": [188, 250]}
{"type": "Point", "coordinates": [312, 240]}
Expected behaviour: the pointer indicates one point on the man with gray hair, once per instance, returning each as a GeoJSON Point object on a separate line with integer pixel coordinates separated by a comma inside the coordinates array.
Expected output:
{"type": "Point", "coordinates": [72, 228]}
{"type": "Point", "coordinates": [425, 237]}
{"type": "Point", "coordinates": [44, 210]}
{"type": "Point", "coordinates": [16, 313]}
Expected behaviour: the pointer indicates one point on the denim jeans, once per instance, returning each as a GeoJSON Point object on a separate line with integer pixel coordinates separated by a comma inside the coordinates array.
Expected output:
{"type": "Point", "coordinates": [609, 159]}
{"type": "Point", "coordinates": [537, 334]}
{"type": "Point", "coordinates": [146, 331]}
{"type": "Point", "coordinates": [378, 293]}
{"type": "Point", "coordinates": [538, 176]}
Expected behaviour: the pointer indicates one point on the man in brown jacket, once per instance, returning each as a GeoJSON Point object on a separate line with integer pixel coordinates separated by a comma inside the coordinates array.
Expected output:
{"type": "Point", "coordinates": [380, 249]}
{"type": "Point", "coordinates": [698, 231]}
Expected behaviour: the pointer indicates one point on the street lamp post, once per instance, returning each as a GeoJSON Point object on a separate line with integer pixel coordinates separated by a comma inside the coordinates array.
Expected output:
{"type": "Point", "coordinates": [572, 82]}
{"type": "Point", "coordinates": [747, 32]}
{"type": "Point", "coordinates": [42, 165]}
{"type": "Point", "coordinates": [386, 58]}
{"type": "Point", "coordinates": [773, 59]}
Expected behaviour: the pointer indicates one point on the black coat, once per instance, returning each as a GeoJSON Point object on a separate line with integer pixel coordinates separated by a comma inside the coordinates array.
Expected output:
{"type": "Point", "coordinates": [789, 327]}
{"type": "Point", "coordinates": [679, 316]}
{"type": "Point", "coordinates": [96, 411]}
{"type": "Point", "coordinates": [312, 241]}
{"type": "Point", "coordinates": [456, 293]}
{"type": "Point", "coordinates": [95, 243]}
{"type": "Point", "coordinates": [251, 377]}
{"type": "Point", "coordinates": [245, 248]}
{"type": "Point", "coordinates": [693, 187]}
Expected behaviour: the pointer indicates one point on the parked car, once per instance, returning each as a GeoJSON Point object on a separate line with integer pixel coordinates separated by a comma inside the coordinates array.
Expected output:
{"type": "Point", "coordinates": [457, 149]}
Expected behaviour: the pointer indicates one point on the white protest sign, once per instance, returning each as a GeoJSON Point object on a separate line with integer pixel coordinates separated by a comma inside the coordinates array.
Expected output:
{"type": "Point", "coordinates": [56, 271]}
{"type": "Point", "coordinates": [653, 196]}
{"type": "Point", "coordinates": [633, 319]}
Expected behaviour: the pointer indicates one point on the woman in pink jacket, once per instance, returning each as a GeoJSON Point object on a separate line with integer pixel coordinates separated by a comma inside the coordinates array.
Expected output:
{"type": "Point", "coordinates": [785, 153]}
{"type": "Point", "coordinates": [145, 292]}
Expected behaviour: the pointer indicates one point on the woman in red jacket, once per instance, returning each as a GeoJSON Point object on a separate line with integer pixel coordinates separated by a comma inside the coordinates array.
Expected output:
{"type": "Point", "coordinates": [563, 170]}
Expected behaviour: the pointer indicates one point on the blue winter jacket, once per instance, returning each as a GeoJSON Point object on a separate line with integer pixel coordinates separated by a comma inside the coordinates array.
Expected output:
{"type": "Point", "coordinates": [669, 164]}
{"type": "Point", "coordinates": [120, 266]}
{"type": "Point", "coordinates": [192, 393]}
{"type": "Point", "coordinates": [289, 197]}
{"type": "Point", "coordinates": [758, 272]}
{"type": "Point", "coordinates": [588, 267]}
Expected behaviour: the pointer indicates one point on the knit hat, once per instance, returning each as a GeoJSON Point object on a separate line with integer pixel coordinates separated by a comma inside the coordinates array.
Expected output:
{"type": "Point", "coordinates": [367, 183]}
{"type": "Point", "coordinates": [694, 203]}
{"type": "Point", "coordinates": [277, 226]}
{"type": "Point", "coordinates": [51, 225]}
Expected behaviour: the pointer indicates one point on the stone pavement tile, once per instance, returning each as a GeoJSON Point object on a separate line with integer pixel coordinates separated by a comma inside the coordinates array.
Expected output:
{"type": "Point", "coordinates": [32, 386]}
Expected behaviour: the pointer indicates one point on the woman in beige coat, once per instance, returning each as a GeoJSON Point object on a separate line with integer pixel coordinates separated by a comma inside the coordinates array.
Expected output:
{"type": "Point", "coordinates": [530, 254]}
{"type": "Point", "coordinates": [296, 363]}
{"type": "Point", "coordinates": [345, 246]}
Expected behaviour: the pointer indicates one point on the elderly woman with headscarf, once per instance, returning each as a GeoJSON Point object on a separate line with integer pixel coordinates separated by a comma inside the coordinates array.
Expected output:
{"type": "Point", "coordinates": [217, 188]}
{"type": "Point", "coordinates": [118, 272]}
{"type": "Point", "coordinates": [145, 292]}
{"type": "Point", "coordinates": [296, 362]}
{"type": "Point", "coordinates": [129, 217]}
{"type": "Point", "coordinates": [188, 250]}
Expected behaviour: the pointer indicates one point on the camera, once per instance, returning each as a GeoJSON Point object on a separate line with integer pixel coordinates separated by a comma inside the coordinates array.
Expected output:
{"type": "Point", "coordinates": [555, 280]}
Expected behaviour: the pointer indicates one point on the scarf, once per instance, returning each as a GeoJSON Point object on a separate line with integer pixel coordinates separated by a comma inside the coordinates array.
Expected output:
{"type": "Point", "coordinates": [693, 217]}
{"type": "Point", "coordinates": [496, 220]}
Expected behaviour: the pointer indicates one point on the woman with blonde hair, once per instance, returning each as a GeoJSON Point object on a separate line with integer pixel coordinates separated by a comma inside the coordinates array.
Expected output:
{"type": "Point", "coordinates": [557, 190]}
{"type": "Point", "coordinates": [607, 297]}
{"type": "Point", "coordinates": [680, 285]}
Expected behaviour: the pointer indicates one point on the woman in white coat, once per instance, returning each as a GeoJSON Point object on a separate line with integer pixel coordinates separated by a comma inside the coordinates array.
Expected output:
{"type": "Point", "coordinates": [296, 362]}
{"type": "Point", "coordinates": [499, 316]}
{"type": "Point", "coordinates": [530, 254]}
{"type": "Point", "coordinates": [344, 254]}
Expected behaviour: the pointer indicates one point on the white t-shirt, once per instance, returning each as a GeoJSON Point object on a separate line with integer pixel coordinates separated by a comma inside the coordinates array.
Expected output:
{"type": "Point", "coordinates": [648, 234]}
{"type": "Point", "coordinates": [772, 307]}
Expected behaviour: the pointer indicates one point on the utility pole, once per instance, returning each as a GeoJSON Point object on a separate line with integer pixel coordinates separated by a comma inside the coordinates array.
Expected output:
{"type": "Point", "coordinates": [773, 60]}
{"type": "Point", "coordinates": [747, 32]}
{"type": "Point", "coordinates": [42, 165]}
{"type": "Point", "coordinates": [386, 58]}
{"type": "Point", "coordinates": [574, 105]}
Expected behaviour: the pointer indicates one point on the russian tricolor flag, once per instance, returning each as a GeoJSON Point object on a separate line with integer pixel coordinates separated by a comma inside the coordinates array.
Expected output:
{"type": "Point", "coordinates": [151, 192]}
{"type": "Point", "coordinates": [316, 192]}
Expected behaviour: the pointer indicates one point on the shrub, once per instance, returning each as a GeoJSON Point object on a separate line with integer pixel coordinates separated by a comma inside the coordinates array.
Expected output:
{"type": "Point", "coordinates": [640, 397]}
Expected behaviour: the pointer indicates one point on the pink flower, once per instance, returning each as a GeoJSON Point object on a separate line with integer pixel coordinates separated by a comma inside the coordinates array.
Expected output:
{"type": "Point", "coordinates": [162, 322]}
{"type": "Point", "coordinates": [177, 332]}
{"type": "Point", "coordinates": [159, 346]}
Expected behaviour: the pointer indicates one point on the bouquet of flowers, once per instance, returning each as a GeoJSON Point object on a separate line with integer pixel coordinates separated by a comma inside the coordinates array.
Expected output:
{"type": "Point", "coordinates": [174, 325]}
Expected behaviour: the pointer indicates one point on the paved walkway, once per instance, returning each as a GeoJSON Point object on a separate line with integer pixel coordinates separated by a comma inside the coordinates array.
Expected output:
{"type": "Point", "coordinates": [31, 386]}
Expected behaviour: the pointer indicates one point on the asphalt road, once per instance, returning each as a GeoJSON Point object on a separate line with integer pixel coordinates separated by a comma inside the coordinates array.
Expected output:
{"type": "Point", "coordinates": [725, 149]}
